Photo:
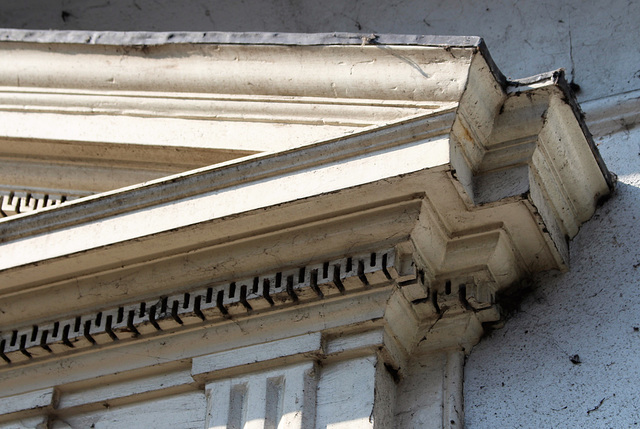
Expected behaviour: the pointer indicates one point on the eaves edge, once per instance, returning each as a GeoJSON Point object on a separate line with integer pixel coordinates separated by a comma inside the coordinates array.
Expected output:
{"type": "Point", "coordinates": [149, 38]}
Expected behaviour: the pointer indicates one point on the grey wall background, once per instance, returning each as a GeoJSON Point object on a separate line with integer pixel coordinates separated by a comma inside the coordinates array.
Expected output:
{"type": "Point", "coordinates": [521, 375]}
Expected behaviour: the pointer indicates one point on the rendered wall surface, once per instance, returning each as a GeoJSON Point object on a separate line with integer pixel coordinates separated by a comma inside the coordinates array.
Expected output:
{"type": "Point", "coordinates": [522, 375]}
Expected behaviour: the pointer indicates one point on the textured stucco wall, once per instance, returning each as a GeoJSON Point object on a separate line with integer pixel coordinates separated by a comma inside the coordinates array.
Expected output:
{"type": "Point", "coordinates": [522, 374]}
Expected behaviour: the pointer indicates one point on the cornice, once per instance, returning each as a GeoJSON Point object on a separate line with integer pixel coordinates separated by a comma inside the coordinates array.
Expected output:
{"type": "Point", "coordinates": [136, 112]}
{"type": "Point", "coordinates": [536, 145]}
{"type": "Point", "coordinates": [468, 183]}
{"type": "Point", "coordinates": [140, 38]}
{"type": "Point", "coordinates": [376, 142]}
{"type": "Point", "coordinates": [215, 303]}
{"type": "Point", "coordinates": [348, 112]}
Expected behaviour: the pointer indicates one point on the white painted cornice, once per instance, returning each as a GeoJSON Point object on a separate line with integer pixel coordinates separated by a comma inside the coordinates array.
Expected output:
{"type": "Point", "coordinates": [111, 110]}
{"type": "Point", "coordinates": [420, 152]}
{"type": "Point", "coordinates": [147, 38]}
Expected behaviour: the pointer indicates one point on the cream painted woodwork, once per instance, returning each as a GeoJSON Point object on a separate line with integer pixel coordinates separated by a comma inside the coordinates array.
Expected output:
{"type": "Point", "coordinates": [270, 231]}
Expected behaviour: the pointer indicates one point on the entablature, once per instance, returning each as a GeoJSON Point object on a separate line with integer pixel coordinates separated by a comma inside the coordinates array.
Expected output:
{"type": "Point", "coordinates": [419, 181]}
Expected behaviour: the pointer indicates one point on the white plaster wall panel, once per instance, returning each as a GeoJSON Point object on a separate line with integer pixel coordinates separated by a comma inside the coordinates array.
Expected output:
{"type": "Point", "coordinates": [346, 394]}
{"type": "Point", "coordinates": [185, 411]}
{"type": "Point", "coordinates": [523, 376]}
{"type": "Point", "coordinates": [419, 398]}
{"type": "Point", "coordinates": [429, 394]}
{"type": "Point", "coordinates": [384, 408]}
{"type": "Point", "coordinates": [593, 43]}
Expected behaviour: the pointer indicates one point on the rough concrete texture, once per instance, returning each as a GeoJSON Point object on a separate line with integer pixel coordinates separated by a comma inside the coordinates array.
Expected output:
{"type": "Point", "coordinates": [595, 44]}
{"type": "Point", "coordinates": [526, 374]}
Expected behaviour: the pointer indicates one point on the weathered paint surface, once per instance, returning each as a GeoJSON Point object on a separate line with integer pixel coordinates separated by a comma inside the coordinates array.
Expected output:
{"type": "Point", "coordinates": [595, 44]}
{"type": "Point", "coordinates": [346, 395]}
{"type": "Point", "coordinates": [591, 311]}
{"type": "Point", "coordinates": [527, 374]}
{"type": "Point", "coordinates": [183, 411]}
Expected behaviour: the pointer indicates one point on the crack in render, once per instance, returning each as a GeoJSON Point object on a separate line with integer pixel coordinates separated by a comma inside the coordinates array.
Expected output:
{"type": "Point", "coordinates": [573, 64]}
{"type": "Point", "coordinates": [440, 316]}
{"type": "Point", "coordinates": [599, 405]}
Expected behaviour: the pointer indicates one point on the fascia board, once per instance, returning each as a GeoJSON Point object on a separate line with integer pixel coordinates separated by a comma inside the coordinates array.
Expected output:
{"type": "Point", "coordinates": [379, 72]}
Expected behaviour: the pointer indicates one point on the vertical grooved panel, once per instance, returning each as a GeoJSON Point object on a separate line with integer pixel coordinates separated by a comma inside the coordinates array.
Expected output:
{"type": "Point", "coordinates": [282, 398]}
{"type": "Point", "coordinates": [255, 403]}
{"type": "Point", "coordinates": [299, 403]}
{"type": "Point", "coordinates": [218, 399]}
{"type": "Point", "coordinates": [237, 406]}
{"type": "Point", "coordinates": [273, 405]}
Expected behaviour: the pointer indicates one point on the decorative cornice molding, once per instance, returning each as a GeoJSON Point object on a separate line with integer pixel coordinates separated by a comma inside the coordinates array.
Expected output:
{"type": "Point", "coordinates": [179, 101]}
{"type": "Point", "coordinates": [474, 181]}
{"type": "Point", "coordinates": [218, 302]}
{"type": "Point", "coordinates": [245, 108]}
{"type": "Point", "coordinates": [320, 151]}
{"type": "Point", "coordinates": [16, 202]}
{"type": "Point", "coordinates": [378, 72]}
{"type": "Point", "coordinates": [235, 173]}
{"type": "Point", "coordinates": [532, 142]}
